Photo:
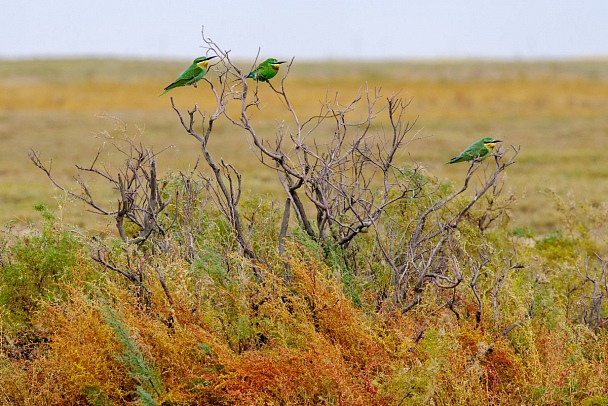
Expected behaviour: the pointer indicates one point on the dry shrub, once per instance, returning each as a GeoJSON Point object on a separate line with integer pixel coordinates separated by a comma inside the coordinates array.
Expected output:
{"type": "Point", "coordinates": [317, 375]}
{"type": "Point", "coordinates": [308, 345]}
{"type": "Point", "coordinates": [81, 362]}
{"type": "Point", "coordinates": [78, 355]}
{"type": "Point", "coordinates": [305, 342]}
{"type": "Point", "coordinates": [565, 363]}
{"type": "Point", "coordinates": [494, 370]}
{"type": "Point", "coordinates": [313, 346]}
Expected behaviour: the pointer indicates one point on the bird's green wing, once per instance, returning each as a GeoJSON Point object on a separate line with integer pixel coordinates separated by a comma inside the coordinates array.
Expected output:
{"type": "Point", "coordinates": [474, 151]}
{"type": "Point", "coordinates": [256, 74]}
{"type": "Point", "coordinates": [191, 73]}
{"type": "Point", "coordinates": [267, 72]}
{"type": "Point", "coordinates": [263, 72]}
{"type": "Point", "coordinates": [199, 76]}
{"type": "Point", "coordinates": [177, 83]}
{"type": "Point", "coordinates": [456, 159]}
{"type": "Point", "coordinates": [188, 77]}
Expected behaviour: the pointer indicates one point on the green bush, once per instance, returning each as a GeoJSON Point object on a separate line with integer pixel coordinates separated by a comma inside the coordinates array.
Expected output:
{"type": "Point", "coordinates": [37, 266]}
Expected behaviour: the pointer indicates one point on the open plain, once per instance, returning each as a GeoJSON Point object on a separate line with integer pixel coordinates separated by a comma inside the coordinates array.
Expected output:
{"type": "Point", "coordinates": [555, 111]}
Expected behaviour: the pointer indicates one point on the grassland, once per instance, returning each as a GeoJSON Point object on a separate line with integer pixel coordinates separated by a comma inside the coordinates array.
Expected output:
{"type": "Point", "coordinates": [186, 315]}
{"type": "Point", "coordinates": [556, 112]}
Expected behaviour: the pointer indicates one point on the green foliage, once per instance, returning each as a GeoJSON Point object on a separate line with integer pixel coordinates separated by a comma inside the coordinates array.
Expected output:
{"type": "Point", "coordinates": [96, 396]}
{"type": "Point", "coordinates": [38, 265]}
{"type": "Point", "coordinates": [320, 337]}
{"type": "Point", "coordinates": [523, 232]}
{"type": "Point", "coordinates": [557, 247]}
{"type": "Point", "coordinates": [583, 222]}
{"type": "Point", "coordinates": [595, 401]}
{"type": "Point", "coordinates": [149, 383]}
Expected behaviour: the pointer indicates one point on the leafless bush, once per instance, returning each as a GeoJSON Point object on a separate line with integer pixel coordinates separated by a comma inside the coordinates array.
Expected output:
{"type": "Point", "coordinates": [347, 183]}
{"type": "Point", "coordinates": [138, 207]}
{"type": "Point", "coordinates": [342, 188]}
{"type": "Point", "coordinates": [593, 296]}
{"type": "Point", "coordinates": [338, 189]}
{"type": "Point", "coordinates": [139, 199]}
{"type": "Point", "coordinates": [424, 245]}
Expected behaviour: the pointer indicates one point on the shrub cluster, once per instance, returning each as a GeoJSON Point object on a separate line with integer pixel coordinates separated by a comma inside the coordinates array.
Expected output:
{"type": "Point", "coordinates": [373, 284]}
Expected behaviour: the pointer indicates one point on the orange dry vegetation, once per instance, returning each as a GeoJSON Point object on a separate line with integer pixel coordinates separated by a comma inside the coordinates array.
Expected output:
{"type": "Point", "coordinates": [298, 343]}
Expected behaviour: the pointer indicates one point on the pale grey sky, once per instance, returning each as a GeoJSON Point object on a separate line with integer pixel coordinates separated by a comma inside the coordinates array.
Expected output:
{"type": "Point", "coordinates": [312, 29]}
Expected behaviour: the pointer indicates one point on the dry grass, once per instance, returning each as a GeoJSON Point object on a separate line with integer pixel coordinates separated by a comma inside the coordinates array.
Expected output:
{"type": "Point", "coordinates": [556, 111]}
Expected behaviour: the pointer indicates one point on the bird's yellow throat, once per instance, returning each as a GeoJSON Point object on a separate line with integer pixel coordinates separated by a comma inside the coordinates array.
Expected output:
{"type": "Point", "coordinates": [490, 145]}
{"type": "Point", "coordinates": [203, 64]}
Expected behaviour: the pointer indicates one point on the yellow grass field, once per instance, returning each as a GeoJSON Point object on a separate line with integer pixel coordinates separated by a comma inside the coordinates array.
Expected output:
{"type": "Point", "coordinates": [556, 111]}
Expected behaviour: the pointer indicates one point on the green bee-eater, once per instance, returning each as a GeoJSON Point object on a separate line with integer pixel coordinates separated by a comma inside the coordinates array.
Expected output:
{"type": "Point", "coordinates": [266, 70]}
{"type": "Point", "coordinates": [193, 74]}
{"type": "Point", "coordinates": [477, 151]}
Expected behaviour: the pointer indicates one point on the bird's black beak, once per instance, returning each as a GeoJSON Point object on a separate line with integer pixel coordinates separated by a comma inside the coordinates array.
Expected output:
{"type": "Point", "coordinates": [211, 57]}
{"type": "Point", "coordinates": [497, 141]}
{"type": "Point", "coordinates": [281, 62]}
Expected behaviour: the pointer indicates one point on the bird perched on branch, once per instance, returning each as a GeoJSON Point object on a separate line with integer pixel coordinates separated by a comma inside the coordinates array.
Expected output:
{"type": "Point", "coordinates": [477, 151]}
{"type": "Point", "coordinates": [266, 70]}
{"type": "Point", "coordinates": [193, 74]}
